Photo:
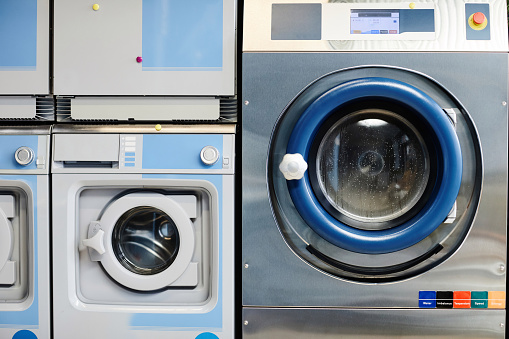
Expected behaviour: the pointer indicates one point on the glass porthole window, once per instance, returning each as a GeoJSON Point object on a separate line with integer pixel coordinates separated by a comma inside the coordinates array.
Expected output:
{"type": "Point", "coordinates": [372, 166]}
{"type": "Point", "coordinates": [145, 240]}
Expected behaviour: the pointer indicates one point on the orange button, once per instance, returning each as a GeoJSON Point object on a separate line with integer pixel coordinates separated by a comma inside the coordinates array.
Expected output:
{"type": "Point", "coordinates": [478, 18]}
{"type": "Point", "coordinates": [461, 299]}
{"type": "Point", "coordinates": [496, 299]}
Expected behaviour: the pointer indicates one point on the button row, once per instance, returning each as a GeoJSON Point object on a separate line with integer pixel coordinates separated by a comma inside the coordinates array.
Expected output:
{"type": "Point", "coordinates": [461, 299]}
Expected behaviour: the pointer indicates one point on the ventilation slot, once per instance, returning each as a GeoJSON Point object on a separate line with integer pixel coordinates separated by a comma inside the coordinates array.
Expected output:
{"type": "Point", "coordinates": [90, 164]}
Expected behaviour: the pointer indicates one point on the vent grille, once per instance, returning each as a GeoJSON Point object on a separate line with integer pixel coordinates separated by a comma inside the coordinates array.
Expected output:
{"type": "Point", "coordinates": [228, 108]}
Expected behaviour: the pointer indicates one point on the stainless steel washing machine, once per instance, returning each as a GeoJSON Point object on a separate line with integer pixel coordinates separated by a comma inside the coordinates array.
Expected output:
{"type": "Point", "coordinates": [374, 169]}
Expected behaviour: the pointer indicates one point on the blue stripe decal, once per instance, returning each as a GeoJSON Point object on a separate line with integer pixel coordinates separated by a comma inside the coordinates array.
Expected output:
{"type": "Point", "coordinates": [18, 34]}
{"type": "Point", "coordinates": [182, 35]}
{"type": "Point", "coordinates": [8, 146]}
{"type": "Point", "coordinates": [439, 204]}
{"type": "Point", "coordinates": [30, 316]}
{"type": "Point", "coordinates": [212, 319]}
{"type": "Point", "coordinates": [178, 151]}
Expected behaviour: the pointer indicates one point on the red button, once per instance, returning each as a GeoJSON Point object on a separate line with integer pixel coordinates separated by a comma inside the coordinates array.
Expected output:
{"type": "Point", "coordinates": [479, 18]}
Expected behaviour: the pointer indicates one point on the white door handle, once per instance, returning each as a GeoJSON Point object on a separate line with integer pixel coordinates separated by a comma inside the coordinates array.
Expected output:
{"type": "Point", "coordinates": [293, 166]}
{"type": "Point", "coordinates": [96, 242]}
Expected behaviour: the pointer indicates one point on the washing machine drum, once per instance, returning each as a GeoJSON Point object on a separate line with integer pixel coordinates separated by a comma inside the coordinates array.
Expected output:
{"type": "Point", "coordinates": [145, 241]}
{"type": "Point", "coordinates": [366, 173]}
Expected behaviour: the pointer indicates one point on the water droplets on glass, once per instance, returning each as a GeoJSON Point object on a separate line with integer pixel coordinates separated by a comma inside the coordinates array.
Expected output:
{"type": "Point", "coordinates": [372, 165]}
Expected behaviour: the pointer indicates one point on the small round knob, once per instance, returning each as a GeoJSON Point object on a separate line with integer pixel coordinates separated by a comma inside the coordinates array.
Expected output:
{"type": "Point", "coordinates": [209, 155]}
{"type": "Point", "coordinates": [139, 59]}
{"type": "Point", "coordinates": [478, 18]}
{"type": "Point", "coordinates": [24, 156]}
{"type": "Point", "coordinates": [293, 166]}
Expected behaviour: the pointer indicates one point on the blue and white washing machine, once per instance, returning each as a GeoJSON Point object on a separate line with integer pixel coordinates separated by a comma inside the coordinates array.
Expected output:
{"type": "Point", "coordinates": [143, 231]}
{"type": "Point", "coordinates": [369, 132]}
{"type": "Point", "coordinates": [24, 233]}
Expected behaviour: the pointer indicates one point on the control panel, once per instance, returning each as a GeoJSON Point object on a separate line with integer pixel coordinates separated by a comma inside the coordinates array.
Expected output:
{"type": "Point", "coordinates": [319, 25]}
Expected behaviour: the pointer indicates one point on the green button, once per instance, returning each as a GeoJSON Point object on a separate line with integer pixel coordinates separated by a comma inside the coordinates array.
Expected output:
{"type": "Point", "coordinates": [479, 299]}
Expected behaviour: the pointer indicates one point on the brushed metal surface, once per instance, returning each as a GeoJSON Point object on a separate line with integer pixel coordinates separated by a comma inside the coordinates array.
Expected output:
{"type": "Point", "coordinates": [301, 323]}
{"type": "Point", "coordinates": [275, 276]}
{"type": "Point", "coordinates": [450, 28]}
{"type": "Point", "coordinates": [145, 129]}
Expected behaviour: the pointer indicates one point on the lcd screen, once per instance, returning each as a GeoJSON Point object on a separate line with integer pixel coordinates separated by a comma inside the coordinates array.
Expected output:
{"type": "Point", "coordinates": [374, 21]}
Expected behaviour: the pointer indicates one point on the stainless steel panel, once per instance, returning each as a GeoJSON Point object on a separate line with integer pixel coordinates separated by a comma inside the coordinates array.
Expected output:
{"type": "Point", "coordinates": [450, 28]}
{"type": "Point", "coordinates": [302, 323]}
{"type": "Point", "coordinates": [274, 276]}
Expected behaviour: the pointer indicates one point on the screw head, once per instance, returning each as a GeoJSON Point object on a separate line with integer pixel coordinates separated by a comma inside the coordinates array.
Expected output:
{"type": "Point", "coordinates": [246, 265]}
{"type": "Point", "coordinates": [504, 103]}
{"type": "Point", "coordinates": [246, 322]}
{"type": "Point", "coordinates": [246, 102]}
{"type": "Point", "coordinates": [502, 268]}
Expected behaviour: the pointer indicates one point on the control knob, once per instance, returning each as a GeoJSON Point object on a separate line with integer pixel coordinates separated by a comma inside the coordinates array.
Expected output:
{"type": "Point", "coordinates": [209, 155]}
{"type": "Point", "coordinates": [24, 156]}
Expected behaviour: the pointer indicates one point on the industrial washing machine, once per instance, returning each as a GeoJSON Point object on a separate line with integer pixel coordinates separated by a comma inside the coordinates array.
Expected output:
{"type": "Point", "coordinates": [374, 169]}
{"type": "Point", "coordinates": [143, 231]}
{"type": "Point", "coordinates": [24, 233]}
{"type": "Point", "coordinates": [24, 61]}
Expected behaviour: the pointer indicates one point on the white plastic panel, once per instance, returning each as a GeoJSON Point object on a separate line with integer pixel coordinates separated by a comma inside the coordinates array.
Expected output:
{"type": "Point", "coordinates": [24, 46]}
{"type": "Point", "coordinates": [17, 107]}
{"type": "Point", "coordinates": [86, 147]}
{"type": "Point", "coordinates": [161, 47]}
{"type": "Point", "coordinates": [145, 108]}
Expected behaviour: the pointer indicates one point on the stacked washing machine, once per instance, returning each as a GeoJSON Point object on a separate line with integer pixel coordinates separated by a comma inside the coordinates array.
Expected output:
{"type": "Point", "coordinates": [127, 144]}
{"type": "Point", "coordinates": [24, 169]}
{"type": "Point", "coordinates": [375, 186]}
{"type": "Point", "coordinates": [143, 205]}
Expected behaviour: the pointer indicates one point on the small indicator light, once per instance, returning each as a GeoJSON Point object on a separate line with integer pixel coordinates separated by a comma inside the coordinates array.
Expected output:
{"type": "Point", "coordinates": [95, 7]}
{"type": "Point", "coordinates": [139, 59]}
{"type": "Point", "coordinates": [412, 5]}
{"type": "Point", "coordinates": [158, 127]}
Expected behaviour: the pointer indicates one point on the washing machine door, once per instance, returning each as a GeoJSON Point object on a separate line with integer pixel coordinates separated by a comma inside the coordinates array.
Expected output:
{"type": "Point", "coordinates": [7, 267]}
{"type": "Point", "coordinates": [145, 241]}
{"type": "Point", "coordinates": [373, 166]}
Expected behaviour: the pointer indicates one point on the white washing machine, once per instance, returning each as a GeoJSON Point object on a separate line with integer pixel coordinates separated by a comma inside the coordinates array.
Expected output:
{"type": "Point", "coordinates": [24, 233]}
{"type": "Point", "coordinates": [24, 60]}
{"type": "Point", "coordinates": [143, 231]}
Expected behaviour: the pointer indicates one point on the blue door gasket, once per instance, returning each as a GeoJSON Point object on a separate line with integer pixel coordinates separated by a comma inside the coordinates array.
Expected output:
{"type": "Point", "coordinates": [441, 200]}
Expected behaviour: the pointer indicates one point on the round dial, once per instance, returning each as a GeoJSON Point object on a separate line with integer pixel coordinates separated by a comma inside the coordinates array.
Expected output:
{"type": "Point", "coordinates": [24, 156]}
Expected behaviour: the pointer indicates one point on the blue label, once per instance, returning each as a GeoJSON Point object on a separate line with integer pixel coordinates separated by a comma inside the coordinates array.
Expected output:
{"type": "Point", "coordinates": [427, 299]}
{"type": "Point", "coordinates": [18, 34]}
{"type": "Point", "coordinates": [164, 151]}
{"type": "Point", "coordinates": [179, 35]}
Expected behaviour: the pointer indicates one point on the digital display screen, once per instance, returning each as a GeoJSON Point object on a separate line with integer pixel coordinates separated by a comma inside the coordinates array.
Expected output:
{"type": "Point", "coordinates": [374, 21]}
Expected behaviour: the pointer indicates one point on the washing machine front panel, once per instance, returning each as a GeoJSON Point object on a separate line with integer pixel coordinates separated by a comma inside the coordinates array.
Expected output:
{"type": "Point", "coordinates": [24, 41]}
{"type": "Point", "coordinates": [167, 174]}
{"type": "Point", "coordinates": [160, 47]}
{"type": "Point", "coordinates": [434, 74]}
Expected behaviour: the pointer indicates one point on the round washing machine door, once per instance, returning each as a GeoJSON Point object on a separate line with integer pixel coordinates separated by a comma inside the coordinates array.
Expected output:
{"type": "Point", "coordinates": [366, 171]}
{"type": "Point", "coordinates": [6, 239]}
{"type": "Point", "coordinates": [148, 241]}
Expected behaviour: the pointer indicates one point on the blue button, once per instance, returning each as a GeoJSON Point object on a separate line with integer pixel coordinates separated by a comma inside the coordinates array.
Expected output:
{"type": "Point", "coordinates": [130, 154]}
{"type": "Point", "coordinates": [207, 335]}
{"type": "Point", "coordinates": [129, 164]}
{"type": "Point", "coordinates": [130, 159]}
{"type": "Point", "coordinates": [24, 334]}
{"type": "Point", "coordinates": [427, 294]}
{"type": "Point", "coordinates": [375, 31]}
